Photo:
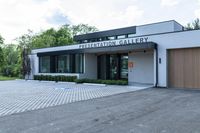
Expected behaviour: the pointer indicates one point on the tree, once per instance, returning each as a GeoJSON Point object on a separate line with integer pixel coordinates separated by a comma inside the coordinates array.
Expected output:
{"type": "Point", "coordinates": [82, 29]}
{"type": "Point", "coordinates": [25, 41]}
{"type": "Point", "coordinates": [62, 36]}
{"type": "Point", "coordinates": [1, 53]}
{"type": "Point", "coordinates": [1, 58]}
{"type": "Point", "coordinates": [26, 67]}
{"type": "Point", "coordinates": [11, 66]}
{"type": "Point", "coordinates": [1, 40]}
{"type": "Point", "coordinates": [24, 48]}
{"type": "Point", "coordinates": [195, 25]}
{"type": "Point", "coordinates": [44, 39]}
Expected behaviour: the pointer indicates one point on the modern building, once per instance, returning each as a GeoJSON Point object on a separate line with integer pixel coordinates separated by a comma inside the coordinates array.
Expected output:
{"type": "Point", "coordinates": [161, 54]}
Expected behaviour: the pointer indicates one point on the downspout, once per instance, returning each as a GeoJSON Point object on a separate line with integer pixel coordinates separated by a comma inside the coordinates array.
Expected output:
{"type": "Point", "coordinates": [156, 48]}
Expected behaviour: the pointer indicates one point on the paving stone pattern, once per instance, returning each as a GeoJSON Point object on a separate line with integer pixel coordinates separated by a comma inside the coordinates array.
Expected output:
{"type": "Point", "coordinates": [20, 96]}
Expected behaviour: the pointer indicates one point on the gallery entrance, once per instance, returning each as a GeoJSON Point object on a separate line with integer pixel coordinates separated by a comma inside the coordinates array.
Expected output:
{"type": "Point", "coordinates": [113, 66]}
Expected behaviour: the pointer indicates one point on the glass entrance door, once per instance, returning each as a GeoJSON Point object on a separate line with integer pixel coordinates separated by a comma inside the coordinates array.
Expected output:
{"type": "Point", "coordinates": [114, 67]}
{"type": "Point", "coordinates": [124, 67]}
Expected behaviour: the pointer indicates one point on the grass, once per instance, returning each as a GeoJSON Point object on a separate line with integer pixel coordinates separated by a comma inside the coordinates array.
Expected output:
{"type": "Point", "coordinates": [3, 78]}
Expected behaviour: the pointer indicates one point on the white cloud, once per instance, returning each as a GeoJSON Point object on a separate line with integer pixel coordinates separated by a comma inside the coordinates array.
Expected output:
{"type": "Point", "coordinates": [197, 11]}
{"type": "Point", "coordinates": [169, 3]}
{"type": "Point", "coordinates": [18, 16]}
{"type": "Point", "coordinates": [113, 14]}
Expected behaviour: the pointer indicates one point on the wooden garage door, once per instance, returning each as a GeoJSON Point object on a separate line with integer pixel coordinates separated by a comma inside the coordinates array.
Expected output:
{"type": "Point", "coordinates": [184, 68]}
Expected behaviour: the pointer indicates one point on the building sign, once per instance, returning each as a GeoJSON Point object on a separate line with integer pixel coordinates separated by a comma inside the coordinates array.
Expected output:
{"type": "Point", "coordinates": [121, 42]}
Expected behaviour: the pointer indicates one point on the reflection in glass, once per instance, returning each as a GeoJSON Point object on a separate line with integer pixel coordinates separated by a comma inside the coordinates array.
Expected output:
{"type": "Point", "coordinates": [44, 64]}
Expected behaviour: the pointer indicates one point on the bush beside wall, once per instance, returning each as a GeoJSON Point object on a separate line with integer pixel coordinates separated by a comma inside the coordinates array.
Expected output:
{"type": "Point", "coordinates": [55, 78]}
{"type": "Point", "coordinates": [108, 82]}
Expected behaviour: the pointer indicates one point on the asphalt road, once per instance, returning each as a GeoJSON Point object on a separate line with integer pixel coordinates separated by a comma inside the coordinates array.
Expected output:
{"type": "Point", "coordinates": [145, 111]}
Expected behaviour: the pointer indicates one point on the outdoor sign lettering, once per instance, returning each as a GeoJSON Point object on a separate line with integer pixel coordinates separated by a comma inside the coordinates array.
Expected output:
{"type": "Point", "coordinates": [128, 41]}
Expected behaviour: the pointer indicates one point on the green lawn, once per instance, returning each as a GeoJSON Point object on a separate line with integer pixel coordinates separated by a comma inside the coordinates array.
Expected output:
{"type": "Point", "coordinates": [3, 78]}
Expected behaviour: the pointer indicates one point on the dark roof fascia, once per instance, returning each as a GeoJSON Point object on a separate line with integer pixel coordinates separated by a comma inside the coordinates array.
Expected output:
{"type": "Point", "coordinates": [108, 33]}
{"type": "Point", "coordinates": [129, 47]}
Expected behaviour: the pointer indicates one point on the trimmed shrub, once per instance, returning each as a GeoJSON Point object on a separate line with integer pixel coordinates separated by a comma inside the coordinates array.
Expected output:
{"type": "Point", "coordinates": [55, 78]}
{"type": "Point", "coordinates": [108, 82]}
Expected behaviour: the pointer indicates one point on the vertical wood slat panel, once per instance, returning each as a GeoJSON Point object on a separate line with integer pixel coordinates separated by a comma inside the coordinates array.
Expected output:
{"type": "Point", "coordinates": [184, 68]}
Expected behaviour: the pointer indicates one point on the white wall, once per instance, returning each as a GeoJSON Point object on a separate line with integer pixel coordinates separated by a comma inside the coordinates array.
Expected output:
{"type": "Point", "coordinates": [34, 65]}
{"type": "Point", "coordinates": [162, 27]}
{"type": "Point", "coordinates": [143, 67]}
{"type": "Point", "coordinates": [60, 48]}
{"type": "Point", "coordinates": [187, 39]}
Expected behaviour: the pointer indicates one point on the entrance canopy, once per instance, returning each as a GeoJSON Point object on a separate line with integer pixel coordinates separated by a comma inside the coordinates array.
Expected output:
{"type": "Point", "coordinates": [118, 48]}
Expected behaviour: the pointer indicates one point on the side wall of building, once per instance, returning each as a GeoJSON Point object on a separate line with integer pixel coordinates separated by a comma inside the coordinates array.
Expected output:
{"type": "Point", "coordinates": [143, 67]}
{"type": "Point", "coordinates": [187, 39]}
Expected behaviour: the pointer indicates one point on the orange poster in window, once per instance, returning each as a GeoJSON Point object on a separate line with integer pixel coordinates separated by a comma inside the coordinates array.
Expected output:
{"type": "Point", "coordinates": [130, 64]}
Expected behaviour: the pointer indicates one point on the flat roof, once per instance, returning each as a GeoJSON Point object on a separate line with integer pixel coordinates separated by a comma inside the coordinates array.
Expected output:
{"type": "Point", "coordinates": [116, 32]}
{"type": "Point", "coordinates": [107, 33]}
{"type": "Point", "coordinates": [129, 47]}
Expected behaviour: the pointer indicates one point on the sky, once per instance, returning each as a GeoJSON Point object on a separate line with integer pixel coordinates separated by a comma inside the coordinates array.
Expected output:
{"type": "Point", "coordinates": [17, 16]}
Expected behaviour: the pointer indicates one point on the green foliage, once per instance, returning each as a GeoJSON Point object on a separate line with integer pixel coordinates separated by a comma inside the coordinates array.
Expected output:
{"type": "Point", "coordinates": [1, 40]}
{"type": "Point", "coordinates": [1, 58]}
{"type": "Point", "coordinates": [14, 58]}
{"type": "Point", "coordinates": [1, 53]}
{"type": "Point", "coordinates": [55, 78]}
{"type": "Point", "coordinates": [109, 82]}
{"type": "Point", "coordinates": [3, 78]}
{"type": "Point", "coordinates": [195, 25]}
{"type": "Point", "coordinates": [10, 66]}
{"type": "Point", "coordinates": [26, 66]}
{"type": "Point", "coordinates": [82, 29]}
{"type": "Point", "coordinates": [44, 39]}
{"type": "Point", "coordinates": [62, 36]}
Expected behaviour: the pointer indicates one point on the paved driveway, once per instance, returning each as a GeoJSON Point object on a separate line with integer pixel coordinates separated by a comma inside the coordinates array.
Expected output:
{"type": "Point", "coordinates": [20, 96]}
{"type": "Point", "coordinates": [145, 111]}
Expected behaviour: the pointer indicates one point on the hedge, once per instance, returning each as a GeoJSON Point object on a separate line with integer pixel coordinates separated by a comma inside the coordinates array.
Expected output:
{"type": "Point", "coordinates": [55, 78]}
{"type": "Point", "coordinates": [98, 81]}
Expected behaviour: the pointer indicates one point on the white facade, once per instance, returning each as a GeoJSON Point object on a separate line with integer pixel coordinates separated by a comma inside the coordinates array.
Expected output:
{"type": "Point", "coordinates": [167, 35]}
{"type": "Point", "coordinates": [143, 65]}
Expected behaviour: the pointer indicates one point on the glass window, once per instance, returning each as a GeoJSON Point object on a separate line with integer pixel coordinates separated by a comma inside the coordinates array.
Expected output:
{"type": "Point", "coordinates": [85, 41]}
{"type": "Point", "coordinates": [44, 65]}
{"type": "Point", "coordinates": [61, 64]}
{"type": "Point", "coordinates": [64, 64]}
{"type": "Point", "coordinates": [111, 38]}
{"type": "Point", "coordinates": [131, 35]}
{"type": "Point", "coordinates": [71, 63]}
{"type": "Point", "coordinates": [68, 64]}
{"type": "Point", "coordinates": [121, 37]}
{"type": "Point", "coordinates": [79, 63]}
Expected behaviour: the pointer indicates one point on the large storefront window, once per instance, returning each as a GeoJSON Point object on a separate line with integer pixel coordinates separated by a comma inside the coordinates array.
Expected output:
{"type": "Point", "coordinates": [44, 64]}
{"type": "Point", "coordinates": [70, 63]}
{"type": "Point", "coordinates": [79, 63]}
{"type": "Point", "coordinates": [63, 64]}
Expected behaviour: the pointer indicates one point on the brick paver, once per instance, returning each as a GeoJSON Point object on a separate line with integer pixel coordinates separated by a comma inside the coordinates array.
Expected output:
{"type": "Point", "coordinates": [20, 96]}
